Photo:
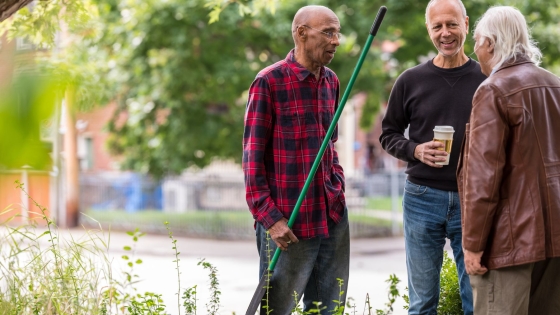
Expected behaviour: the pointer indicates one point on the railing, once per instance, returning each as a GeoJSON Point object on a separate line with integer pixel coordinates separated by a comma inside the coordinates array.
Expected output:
{"type": "Point", "coordinates": [214, 206]}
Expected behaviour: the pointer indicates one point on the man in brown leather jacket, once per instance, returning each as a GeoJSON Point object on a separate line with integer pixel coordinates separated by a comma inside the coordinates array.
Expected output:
{"type": "Point", "coordinates": [509, 174]}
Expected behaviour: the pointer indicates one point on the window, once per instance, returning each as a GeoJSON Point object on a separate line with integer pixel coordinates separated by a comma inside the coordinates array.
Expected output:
{"type": "Point", "coordinates": [85, 152]}
{"type": "Point", "coordinates": [23, 44]}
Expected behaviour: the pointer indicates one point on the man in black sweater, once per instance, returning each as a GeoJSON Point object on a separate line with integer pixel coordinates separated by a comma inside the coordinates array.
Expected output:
{"type": "Point", "coordinates": [437, 92]}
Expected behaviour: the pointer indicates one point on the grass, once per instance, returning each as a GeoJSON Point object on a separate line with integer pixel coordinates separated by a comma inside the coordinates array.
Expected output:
{"type": "Point", "coordinates": [215, 224]}
{"type": "Point", "coordinates": [382, 203]}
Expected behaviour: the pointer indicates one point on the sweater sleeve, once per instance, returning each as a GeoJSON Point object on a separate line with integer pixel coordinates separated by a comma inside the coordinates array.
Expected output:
{"type": "Point", "coordinates": [394, 124]}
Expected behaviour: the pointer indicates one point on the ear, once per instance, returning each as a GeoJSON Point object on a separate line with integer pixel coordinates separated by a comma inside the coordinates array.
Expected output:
{"type": "Point", "coordinates": [467, 23]}
{"type": "Point", "coordinates": [490, 47]}
{"type": "Point", "coordinates": [301, 33]}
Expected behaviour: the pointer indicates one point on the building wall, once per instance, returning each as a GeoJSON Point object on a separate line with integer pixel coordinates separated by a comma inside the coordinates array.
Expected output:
{"type": "Point", "coordinates": [15, 207]}
{"type": "Point", "coordinates": [91, 125]}
{"type": "Point", "coordinates": [17, 55]}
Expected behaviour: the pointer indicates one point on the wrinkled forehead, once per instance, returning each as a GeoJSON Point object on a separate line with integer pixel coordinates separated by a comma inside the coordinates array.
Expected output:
{"type": "Point", "coordinates": [323, 18]}
{"type": "Point", "coordinates": [444, 11]}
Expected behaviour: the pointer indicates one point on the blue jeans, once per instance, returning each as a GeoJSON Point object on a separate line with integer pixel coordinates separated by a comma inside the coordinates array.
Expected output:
{"type": "Point", "coordinates": [431, 215]}
{"type": "Point", "coordinates": [310, 268]}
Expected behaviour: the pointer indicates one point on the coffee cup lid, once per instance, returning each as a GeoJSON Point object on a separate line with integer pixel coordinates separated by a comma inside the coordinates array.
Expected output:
{"type": "Point", "coordinates": [444, 129]}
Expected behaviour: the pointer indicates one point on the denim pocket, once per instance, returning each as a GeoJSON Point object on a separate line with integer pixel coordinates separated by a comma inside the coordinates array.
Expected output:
{"type": "Point", "coordinates": [414, 189]}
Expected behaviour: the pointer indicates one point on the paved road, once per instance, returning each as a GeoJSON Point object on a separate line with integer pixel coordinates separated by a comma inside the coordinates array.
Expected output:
{"type": "Point", "coordinates": [372, 261]}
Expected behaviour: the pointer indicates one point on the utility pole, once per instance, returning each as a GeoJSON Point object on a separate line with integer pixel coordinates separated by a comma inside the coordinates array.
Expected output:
{"type": "Point", "coordinates": [72, 184]}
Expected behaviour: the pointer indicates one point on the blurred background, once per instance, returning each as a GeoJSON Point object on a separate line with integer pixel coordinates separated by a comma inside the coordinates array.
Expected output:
{"type": "Point", "coordinates": [129, 113]}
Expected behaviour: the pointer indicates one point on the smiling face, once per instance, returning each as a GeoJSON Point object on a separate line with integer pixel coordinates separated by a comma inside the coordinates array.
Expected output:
{"type": "Point", "coordinates": [315, 49]}
{"type": "Point", "coordinates": [447, 27]}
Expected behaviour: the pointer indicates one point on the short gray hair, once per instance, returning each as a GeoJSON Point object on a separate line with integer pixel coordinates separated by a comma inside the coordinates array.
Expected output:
{"type": "Point", "coordinates": [506, 28]}
{"type": "Point", "coordinates": [459, 2]}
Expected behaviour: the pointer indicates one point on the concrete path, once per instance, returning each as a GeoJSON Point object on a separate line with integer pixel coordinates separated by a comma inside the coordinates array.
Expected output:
{"type": "Point", "coordinates": [372, 261]}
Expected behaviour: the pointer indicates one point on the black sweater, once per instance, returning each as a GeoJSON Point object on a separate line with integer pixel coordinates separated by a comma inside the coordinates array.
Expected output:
{"type": "Point", "coordinates": [423, 97]}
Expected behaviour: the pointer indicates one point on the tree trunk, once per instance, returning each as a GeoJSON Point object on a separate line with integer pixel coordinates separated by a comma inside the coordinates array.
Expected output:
{"type": "Point", "coordinates": [9, 7]}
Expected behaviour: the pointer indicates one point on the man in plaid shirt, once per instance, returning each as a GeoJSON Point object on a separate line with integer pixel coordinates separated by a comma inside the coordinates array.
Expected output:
{"type": "Point", "coordinates": [290, 108]}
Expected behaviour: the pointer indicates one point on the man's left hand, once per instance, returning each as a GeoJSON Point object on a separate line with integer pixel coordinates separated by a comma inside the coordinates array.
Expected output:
{"type": "Point", "coordinates": [473, 263]}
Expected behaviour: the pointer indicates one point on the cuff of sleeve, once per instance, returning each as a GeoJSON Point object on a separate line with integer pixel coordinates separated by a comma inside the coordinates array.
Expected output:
{"type": "Point", "coordinates": [473, 245]}
{"type": "Point", "coordinates": [410, 150]}
{"type": "Point", "coordinates": [269, 217]}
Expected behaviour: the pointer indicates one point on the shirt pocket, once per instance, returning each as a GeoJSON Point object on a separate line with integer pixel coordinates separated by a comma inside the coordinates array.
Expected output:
{"type": "Point", "coordinates": [289, 117]}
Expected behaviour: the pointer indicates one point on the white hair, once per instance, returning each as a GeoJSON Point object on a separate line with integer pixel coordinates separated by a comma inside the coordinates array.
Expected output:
{"type": "Point", "coordinates": [506, 28]}
{"type": "Point", "coordinates": [459, 2]}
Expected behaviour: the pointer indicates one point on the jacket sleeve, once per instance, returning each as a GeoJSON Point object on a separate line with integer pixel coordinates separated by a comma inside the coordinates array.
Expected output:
{"type": "Point", "coordinates": [484, 165]}
{"type": "Point", "coordinates": [258, 124]}
{"type": "Point", "coordinates": [394, 125]}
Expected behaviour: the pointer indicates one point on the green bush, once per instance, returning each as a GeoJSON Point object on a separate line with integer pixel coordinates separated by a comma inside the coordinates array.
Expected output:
{"type": "Point", "coordinates": [449, 294]}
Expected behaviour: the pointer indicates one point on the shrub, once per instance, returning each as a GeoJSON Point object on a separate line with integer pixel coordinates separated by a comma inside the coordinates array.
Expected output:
{"type": "Point", "coordinates": [449, 294]}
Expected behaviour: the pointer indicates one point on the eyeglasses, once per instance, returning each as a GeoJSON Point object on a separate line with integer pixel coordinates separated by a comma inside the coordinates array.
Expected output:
{"type": "Point", "coordinates": [329, 35]}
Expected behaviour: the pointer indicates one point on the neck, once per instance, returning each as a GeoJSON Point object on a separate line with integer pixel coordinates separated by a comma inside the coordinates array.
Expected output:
{"type": "Point", "coordinates": [448, 62]}
{"type": "Point", "coordinates": [313, 68]}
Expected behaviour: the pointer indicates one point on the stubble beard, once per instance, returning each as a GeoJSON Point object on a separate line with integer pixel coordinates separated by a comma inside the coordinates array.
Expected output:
{"type": "Point", "coordinates": [457, 51]}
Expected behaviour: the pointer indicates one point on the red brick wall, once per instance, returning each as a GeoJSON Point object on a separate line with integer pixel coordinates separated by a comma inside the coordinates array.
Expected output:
{"type": "Point", "coordinates": [96, 120]}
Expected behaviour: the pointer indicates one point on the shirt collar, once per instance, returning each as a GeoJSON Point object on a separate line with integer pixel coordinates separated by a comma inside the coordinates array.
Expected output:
{"type": "Point", "coordinates": [301, 72]}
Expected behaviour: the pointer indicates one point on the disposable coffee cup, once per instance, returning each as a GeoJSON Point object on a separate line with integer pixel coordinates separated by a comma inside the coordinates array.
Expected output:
{"type": "Point", "coordinates": [444, 134]}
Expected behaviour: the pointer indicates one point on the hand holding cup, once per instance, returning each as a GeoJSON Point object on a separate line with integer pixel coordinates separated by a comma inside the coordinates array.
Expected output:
{"type": "Point", "coordinates": [431, 153]}
{"type": "Point", "coordinates": [444, 135]}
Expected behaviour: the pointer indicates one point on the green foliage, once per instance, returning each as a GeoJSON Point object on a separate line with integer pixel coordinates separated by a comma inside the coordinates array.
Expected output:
{"type": "Point", "coordinates": [74, 276]}
{"type": "Point", "coordinates": [182, 81]}
{"type": "Point", "coordinates": [63, 278]}
{"type": "Point", "coordinates": [180, 69]}
{"type": "Point", "coordinates": [542, 18]}
{"type": "Point", "coordinates": [189, 301]}
{"type": "Point", "coordinates": [147, 303]}
{"type": "Point", "coordinates": [26, 106]}
{"type": "Point", "coordinates": [41, 21]}
{"type": "Point", "coordinates": [214, 304]}
{"type": "Point", "coordinates": [392, 295]}
{"type": "Point", "coordinates": [176, 261]}
{"type": "Point", "coordinates": [449, 294]}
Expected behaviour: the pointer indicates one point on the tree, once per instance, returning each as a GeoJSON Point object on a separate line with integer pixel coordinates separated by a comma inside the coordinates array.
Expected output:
{"type": "Point", "coordinates": [67, 76]}
{"type": "Point", "coordinates": [9, 7]}
{"type": "Point", "coordinates": [182, 81]}
{"type": "Point", "coordinates": [180, 69]}
{"type": "Point", "coordinates": [542, 16]}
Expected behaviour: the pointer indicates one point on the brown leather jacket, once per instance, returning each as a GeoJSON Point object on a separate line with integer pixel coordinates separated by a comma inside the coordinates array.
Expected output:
{"type": "Point", "coordinates": [509, 169]}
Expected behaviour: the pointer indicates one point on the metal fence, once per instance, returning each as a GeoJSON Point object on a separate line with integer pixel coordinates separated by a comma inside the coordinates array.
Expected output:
{"type": "Point", "coordinates": [214, 206]}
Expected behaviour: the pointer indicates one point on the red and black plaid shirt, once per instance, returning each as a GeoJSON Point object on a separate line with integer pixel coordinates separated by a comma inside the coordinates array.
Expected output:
{"type": "Point", "coordinates": [288, 115]}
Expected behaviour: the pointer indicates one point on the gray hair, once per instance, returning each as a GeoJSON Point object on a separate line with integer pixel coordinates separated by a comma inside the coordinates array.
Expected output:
{"type": "Point", "coordinates": [459, 2]}
{"type": "Point", "coordinates": [506, 28]}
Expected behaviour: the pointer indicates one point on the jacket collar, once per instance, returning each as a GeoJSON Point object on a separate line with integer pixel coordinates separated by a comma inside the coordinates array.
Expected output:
{"type": "Point", "coordinates": [514, 61]}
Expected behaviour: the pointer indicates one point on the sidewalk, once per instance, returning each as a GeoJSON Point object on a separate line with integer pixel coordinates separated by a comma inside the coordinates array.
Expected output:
{"type": "Point", "coordinates": [372, 261]}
